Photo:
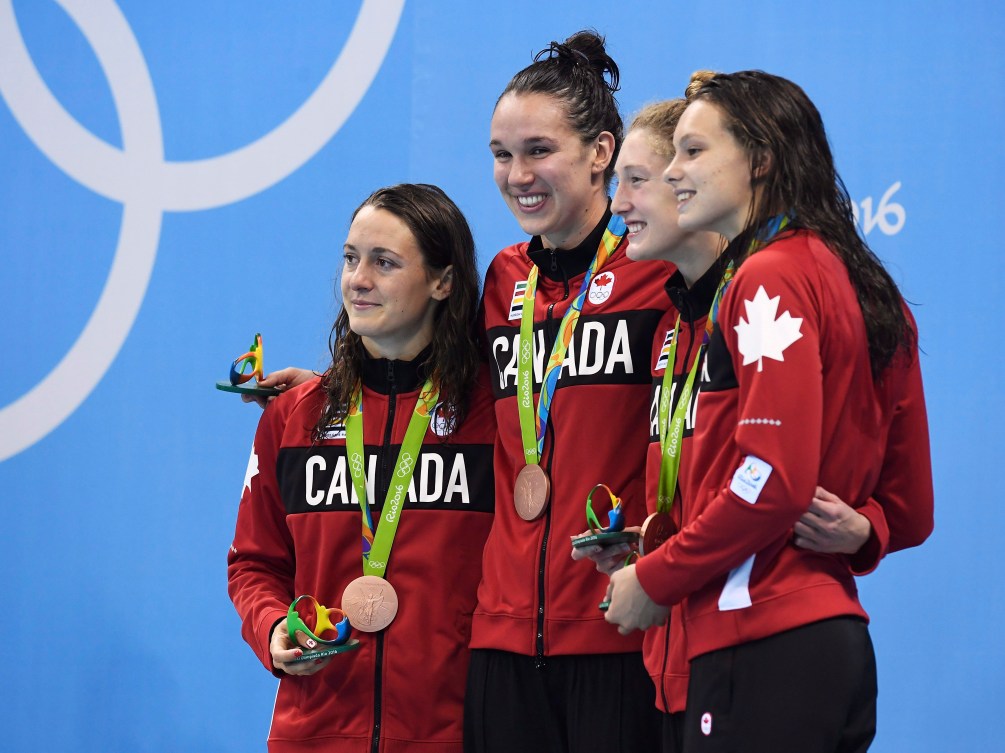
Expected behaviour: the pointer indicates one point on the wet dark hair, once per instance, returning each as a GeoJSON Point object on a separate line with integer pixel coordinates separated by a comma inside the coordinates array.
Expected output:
{"type": "Point", "coordinates": [770, 115]}
{"type": "Point", "coordinates": [583, 77]}
{"type": "Point", "coordinates": [444, 238]}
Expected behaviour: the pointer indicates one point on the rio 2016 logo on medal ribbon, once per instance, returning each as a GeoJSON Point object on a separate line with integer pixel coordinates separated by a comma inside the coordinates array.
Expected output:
{"type": "Point", "coordinates": [147, 185]}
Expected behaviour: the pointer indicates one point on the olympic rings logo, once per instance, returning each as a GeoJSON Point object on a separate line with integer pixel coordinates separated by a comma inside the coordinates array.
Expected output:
{"type": "Point", "coordinates": [525, 349]}
{"type": "Point", "coordinates": [146, 184]}
{"type": "Point", "coordinates": [406, 463]}
{"type": "Point", "coordinates": [357, 464]}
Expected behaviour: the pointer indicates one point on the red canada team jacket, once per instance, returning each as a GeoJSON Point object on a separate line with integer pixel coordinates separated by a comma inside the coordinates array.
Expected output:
{"type": "Point", "coordinates": [533, 598]}
{"type": "Point", "coordinates": [787, 401]}
{"type": "Point", "coordinates": [299, 532]}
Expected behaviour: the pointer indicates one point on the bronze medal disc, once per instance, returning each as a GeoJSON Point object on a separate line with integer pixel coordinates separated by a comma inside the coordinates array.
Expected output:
{"type": "Point", "coordinates": [370, 603]}
{"type": "Point", "coordinates": [658, 528]}
{"type": "Point", "coordinates": [530, 494]}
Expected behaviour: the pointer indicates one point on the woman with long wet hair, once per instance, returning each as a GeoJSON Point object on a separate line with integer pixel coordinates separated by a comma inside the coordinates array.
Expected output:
{"type": "Point", "coordinates": [811, 376]}
{"type": "Point", "coordinates": [371, 487]}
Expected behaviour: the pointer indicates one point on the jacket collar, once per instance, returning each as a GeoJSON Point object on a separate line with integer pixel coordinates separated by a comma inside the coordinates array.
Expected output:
{"type": "Point", "coordinates": [564, 264]}
{"type": "Point", "coordinates": [694, 303]}
{"type": "Point", "coordinates": [385, 375]}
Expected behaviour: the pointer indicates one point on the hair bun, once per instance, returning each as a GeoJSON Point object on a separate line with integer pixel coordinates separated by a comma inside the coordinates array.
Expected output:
{"type": "Point", "coordinates": [580, 75]}
{"type": "Point", "coordinates": [698, 80]}
{"type": "Point", "coordinates": [563, 52]}
{"type": "Point", "coordinates": [585, 49]}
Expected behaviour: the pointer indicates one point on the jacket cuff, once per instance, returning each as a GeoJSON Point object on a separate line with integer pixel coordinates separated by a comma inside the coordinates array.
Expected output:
{"type": "Point", "coordinates": [269, 620]}
{"type": "Point", "coordinates": [650, 574]}
{"type": "Point", "coordinates": [867, 558]}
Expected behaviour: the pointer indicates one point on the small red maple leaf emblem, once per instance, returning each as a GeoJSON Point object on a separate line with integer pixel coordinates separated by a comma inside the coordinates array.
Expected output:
{"type": "Point", "coordinates": [604, 279]}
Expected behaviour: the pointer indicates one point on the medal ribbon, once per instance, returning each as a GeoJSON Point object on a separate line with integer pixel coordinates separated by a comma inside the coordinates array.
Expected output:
{"type": "Point", "coordinates": [377, 546]}
{"type": "Point", "coordinates": [672, 430]}
{"type": "Point", "coordinates": [533, 425]}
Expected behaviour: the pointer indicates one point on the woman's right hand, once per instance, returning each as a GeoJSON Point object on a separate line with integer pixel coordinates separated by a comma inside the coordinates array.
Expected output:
{"type": "Point", "coordinates": [282, 380]}
{"type": "Point", "coordinates": [284, 651]}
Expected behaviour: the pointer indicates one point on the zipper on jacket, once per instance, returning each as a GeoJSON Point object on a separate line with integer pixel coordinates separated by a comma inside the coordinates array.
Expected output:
{"type": "Point", "coordinates": [551, 325]}
{"type": "Point", "coordinates": [666, 661]}
{"type": "Point", "coordinates": [670, 626]}
{"type": "Point", "coordinates": [379, 663]}
{"type": "Point", "coordinates": [383, 482]}
{"type": "Point", "coordinates": [392, 399]}
{"type": "Point", "coordinates": [539, 661]}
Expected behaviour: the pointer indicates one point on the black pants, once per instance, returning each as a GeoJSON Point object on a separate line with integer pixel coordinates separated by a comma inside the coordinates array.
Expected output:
{"type": "Point", "coordinates": [808, 690]}
{"type": "Point", "coordinates": [673, 732]}
{"type": "Point", "coordinates": [573, 704]}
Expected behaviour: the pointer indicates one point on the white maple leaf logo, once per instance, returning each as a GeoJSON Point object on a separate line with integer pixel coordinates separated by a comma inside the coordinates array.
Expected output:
{"type": "Point", "coordinates": [763, 334]}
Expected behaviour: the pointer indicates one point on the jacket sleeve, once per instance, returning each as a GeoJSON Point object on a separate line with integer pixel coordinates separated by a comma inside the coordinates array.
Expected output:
{"type": "Point", "coordinates": [769, 324]}
{"type": "Point", "coordinates": [261, 562]}
{"type": "Point", "coordinates": [904, 488]}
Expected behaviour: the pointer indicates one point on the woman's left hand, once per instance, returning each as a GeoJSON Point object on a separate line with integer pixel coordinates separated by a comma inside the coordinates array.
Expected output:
{"type": "Point", "coordinates": [831, 526]}
{"type": "Point", "coordinates": [630, 606]}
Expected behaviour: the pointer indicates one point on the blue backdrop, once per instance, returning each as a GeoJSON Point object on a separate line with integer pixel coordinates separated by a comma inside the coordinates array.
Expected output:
{"type": "Point", "coordinates": [176, 176]}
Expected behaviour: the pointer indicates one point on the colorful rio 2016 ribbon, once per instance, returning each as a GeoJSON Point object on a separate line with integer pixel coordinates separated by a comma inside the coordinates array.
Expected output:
{"type": "Point", "coordinates": [532, 429]}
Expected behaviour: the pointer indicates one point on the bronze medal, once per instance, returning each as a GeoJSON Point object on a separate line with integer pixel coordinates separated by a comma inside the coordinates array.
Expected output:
{"type": "Point", "coordinates": [530, 494]}
{"type": "Point", "coordinates": [658, 528]}
{"type": "Point", "coordinates": [370, 603]}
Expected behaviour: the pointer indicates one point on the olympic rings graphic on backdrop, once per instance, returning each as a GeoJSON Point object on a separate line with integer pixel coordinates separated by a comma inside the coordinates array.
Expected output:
{"type": "Point", "coordinates": [145, 184]}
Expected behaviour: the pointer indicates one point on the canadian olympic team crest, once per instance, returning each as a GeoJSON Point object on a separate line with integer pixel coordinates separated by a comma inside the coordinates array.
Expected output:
{"type": "Point", "coordinates": [601, 288]}
{"type": "Point", "coordinates": [442, 425]}
{"type": "Point", "coordinates": [147, 185]}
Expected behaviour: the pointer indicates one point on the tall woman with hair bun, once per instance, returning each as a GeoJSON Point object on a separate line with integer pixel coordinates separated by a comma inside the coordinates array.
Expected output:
{"type": "Point", "coordinates": [371, 488]}
{"type": "Point", "coordinates": [569, 323]}
{"type": "Point", "coordinates": [811, 376]}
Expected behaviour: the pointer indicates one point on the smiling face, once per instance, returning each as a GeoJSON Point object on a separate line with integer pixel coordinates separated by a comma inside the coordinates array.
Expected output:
{"type": "Point", "coordinates": [644, 200]}
{"type": "Point", "coordinates": [710, 173]}
{"type": "Point", "coordinates": [389, 293]}
{"type": "Point", "coordinates": [649, 207]}
{"type": "Point", "coordinates": [551, 181]}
